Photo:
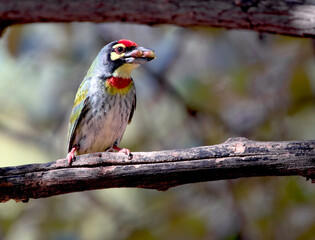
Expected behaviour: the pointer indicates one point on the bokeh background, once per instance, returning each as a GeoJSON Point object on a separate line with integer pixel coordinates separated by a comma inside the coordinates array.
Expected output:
{"type": "Point", "coordinates": [206, 86]}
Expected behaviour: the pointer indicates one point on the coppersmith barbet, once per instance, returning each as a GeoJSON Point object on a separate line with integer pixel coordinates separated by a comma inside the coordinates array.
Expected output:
{"type": "Point", "coordinates": [106, 99]}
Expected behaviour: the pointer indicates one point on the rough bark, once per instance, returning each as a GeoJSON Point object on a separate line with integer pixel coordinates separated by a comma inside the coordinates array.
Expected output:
{"type": "Point", "coordinates": [236, 158]}
{"type": "Point", "coordinates": [287, 17]}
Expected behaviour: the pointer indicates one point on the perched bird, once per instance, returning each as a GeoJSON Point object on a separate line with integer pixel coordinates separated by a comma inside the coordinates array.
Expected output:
{"type": "Point", "coordinates": [106, 99]}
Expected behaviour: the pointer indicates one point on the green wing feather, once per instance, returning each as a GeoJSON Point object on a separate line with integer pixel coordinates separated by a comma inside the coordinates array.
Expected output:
{"type": "Point", "coordinates": [80, 106]}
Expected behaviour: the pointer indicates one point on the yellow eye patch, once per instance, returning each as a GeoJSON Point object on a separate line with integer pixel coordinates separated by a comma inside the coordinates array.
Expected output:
{"type": "Point", "coordinates": [115, 55]}
{"type": "Point", "coordinates": [119, 45]}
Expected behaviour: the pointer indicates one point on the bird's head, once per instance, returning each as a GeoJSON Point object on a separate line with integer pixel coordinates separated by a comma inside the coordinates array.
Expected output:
{"type": "Point", "coordinates": [119, 58]}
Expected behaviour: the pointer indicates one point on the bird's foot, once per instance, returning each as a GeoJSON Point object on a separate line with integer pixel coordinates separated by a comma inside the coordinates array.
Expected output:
{"type": "Point", "coordinates": [71, 156]}
{"type": "Point", "coordinates": [123, 150]}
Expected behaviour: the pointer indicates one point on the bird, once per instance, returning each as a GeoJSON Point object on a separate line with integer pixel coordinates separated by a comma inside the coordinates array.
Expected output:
{"type": "Point", "coordinates": [106, 100]}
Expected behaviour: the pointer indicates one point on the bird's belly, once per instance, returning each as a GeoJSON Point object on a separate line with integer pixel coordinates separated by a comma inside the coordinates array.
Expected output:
{"type": "Point", "coordinates": [103, 128]}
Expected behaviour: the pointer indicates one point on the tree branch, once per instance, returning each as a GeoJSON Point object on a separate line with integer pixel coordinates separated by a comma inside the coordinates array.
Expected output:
{"type": "Point", "coordinates": [287, 17]}
{"type": "Point", "coordinates": [236, 158]}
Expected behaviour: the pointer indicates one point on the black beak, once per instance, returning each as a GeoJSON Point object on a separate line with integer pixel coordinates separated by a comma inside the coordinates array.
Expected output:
{"type": "Point", "coordinates": [140, 55]}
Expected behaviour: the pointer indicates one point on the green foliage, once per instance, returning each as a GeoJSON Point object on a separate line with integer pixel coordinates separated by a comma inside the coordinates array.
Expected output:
{"type": "Point", "coordinates": [300, 84]}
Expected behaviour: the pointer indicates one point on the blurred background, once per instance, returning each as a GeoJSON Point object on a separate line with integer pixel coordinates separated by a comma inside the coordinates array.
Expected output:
{"type": "Point", "coordinates": [206, 86]}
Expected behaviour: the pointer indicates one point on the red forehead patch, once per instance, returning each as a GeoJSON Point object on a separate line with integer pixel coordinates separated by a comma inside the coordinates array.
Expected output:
{"type": "Point", "coordinates": [128, 43]}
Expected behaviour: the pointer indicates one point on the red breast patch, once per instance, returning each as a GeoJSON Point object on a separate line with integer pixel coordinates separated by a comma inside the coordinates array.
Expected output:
{"type": "Point", "coordinates": [118, 82]}
{"type": "Point", "coordinates": [128, 43]}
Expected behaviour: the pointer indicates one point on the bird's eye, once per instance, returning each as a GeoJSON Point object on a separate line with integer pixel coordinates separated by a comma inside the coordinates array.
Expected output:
{"type": "Point", "coordinates": [119, 50]}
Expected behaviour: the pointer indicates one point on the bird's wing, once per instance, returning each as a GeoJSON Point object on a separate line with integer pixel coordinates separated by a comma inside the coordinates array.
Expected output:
{"type": "Point", "coordinates": [81, 106]}
{"type": "Point", "coordinates": [133, 108]}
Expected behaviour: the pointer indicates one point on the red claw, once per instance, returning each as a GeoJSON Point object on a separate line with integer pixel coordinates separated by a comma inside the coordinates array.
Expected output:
{"type": "Point", "coordinates": [123, 150]}
{"type": "Point", "coordinates": [71, 156]}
